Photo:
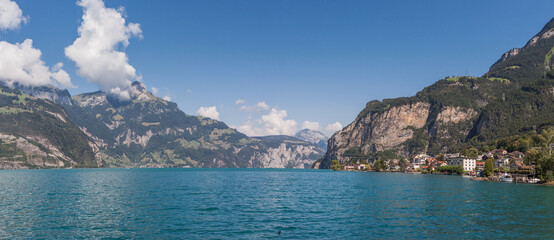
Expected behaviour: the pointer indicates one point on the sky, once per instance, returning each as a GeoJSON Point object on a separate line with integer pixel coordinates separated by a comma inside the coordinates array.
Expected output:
{"type": "Point", "coordinates": [263, 67]}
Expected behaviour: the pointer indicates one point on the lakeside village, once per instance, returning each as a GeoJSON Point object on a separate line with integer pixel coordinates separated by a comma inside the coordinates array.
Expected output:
{"type": "Point", "coordinates": [496, 165]}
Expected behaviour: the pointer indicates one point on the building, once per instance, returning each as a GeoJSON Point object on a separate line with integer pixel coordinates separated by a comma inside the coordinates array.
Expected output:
{"type": "Point", "coordinates": [499, 152]}
{"type": "Point", "coordinates": [349, 167]}
{"type": "Point", "coordinates": [518, 154]}
{"type": "Point", "coordinates": [420, 159]}
{"type": "Point", "coordinates": [467, 163]}
{"type": "Point", "coordinates": [503, 162]}
{"type": "Point", "coordinates": [479, 166]}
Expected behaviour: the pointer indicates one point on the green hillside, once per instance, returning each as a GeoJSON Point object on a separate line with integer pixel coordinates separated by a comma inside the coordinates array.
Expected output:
{"type": "Point", "coordinates": [36, 133]}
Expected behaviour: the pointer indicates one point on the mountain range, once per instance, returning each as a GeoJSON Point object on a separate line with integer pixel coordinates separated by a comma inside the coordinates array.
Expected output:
{"type": "Point", "coordinates": [516, 96]}
{"type": "Point", "coordinates": [45, 127]}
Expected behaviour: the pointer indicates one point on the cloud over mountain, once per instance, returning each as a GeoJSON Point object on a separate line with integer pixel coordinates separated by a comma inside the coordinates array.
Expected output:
{"type": "Point", "coordinates": [210, 112]}
{"type": "Point", "coordinates": [311, 125]}
{"type": "Point", "coordinates": [272, 123]}
{"type": "Point", "coordinates": [21, 63]}
{"type": "Point", "coordinates": [11, 15]}
{"type": "Point", "coordinates": [97, 51]}
{"type": "Point", "coordinates": [332, 128]}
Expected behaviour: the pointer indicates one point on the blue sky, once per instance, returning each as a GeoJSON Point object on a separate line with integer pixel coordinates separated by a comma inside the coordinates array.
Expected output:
{"type": "Point", "coordinates": [321, 61]}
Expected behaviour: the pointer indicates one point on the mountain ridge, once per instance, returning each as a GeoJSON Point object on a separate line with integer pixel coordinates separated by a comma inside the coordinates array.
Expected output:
{"type": "Point", "coordinates": [514, 97]}
{"type": "Point", "coordinates": [148, 131]}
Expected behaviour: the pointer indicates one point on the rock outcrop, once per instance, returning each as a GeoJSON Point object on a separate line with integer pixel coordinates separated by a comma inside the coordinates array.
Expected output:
{"type": "Point", "coordinates": [391, 129]}
{"type": "Point", "coordinates": [513, 98]}
{"type": "Point", "coordinates": [312, 136]}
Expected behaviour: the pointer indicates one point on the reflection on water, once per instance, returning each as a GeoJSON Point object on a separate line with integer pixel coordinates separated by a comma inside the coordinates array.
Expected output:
{"type": "Point", "coordinates": [238, 203]}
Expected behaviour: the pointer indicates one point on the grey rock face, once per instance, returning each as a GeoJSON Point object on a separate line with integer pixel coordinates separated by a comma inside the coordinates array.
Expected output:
{"type": "Point", "coordinates": [314, 137]}
{"type": "Point", "coordinates": [50, 93]}
{"type": "Point", "coordinates": [389, 130]}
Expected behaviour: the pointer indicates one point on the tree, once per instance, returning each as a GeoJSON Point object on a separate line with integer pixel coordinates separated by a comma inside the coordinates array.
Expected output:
{"type": "Point", "coordinates": [545, 163]}
{"type": "Point", "coordinates": [451, 169]}
{"type": "Point", "coordinates": [471, 152]}
{"type": "Point", "coordinates": [335, 165]}
{"type": "Point", "coordinates": [379, 165]}
{"type": "Point", "coordinates": [489, 167]}
{"type": "Point", "coordinates": [402, 164]}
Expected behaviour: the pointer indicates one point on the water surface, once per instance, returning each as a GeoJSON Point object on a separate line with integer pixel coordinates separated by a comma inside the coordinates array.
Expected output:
{"type": "Point", "coordinates": [257, 203]}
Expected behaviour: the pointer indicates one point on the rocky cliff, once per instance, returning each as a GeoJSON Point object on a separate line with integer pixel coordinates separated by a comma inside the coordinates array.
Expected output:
{"type": "Point", "coordinates": [311, 136]}
{"type": "Point", "coordinates": [50, 93]}
{"type": "Point", "coordinates": [287, 152]}
{"type": "Point", "coordinates": [514, 97]}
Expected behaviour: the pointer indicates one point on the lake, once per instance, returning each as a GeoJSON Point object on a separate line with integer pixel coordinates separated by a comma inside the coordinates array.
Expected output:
{"type": "Point", "coordinates": [257, 203]}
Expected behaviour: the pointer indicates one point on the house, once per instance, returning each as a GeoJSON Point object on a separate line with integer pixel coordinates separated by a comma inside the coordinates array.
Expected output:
{"type": "Point", "coordinates": [499, 152]}
{"type": "Point", "coordinates": [479, 166]}
{"type": "Point", "coordinates": [517, 165]}
{"type": "Point", "coordinates": [420, 159]}
{"type": "Point", "coordinates": [518, 154]}
{"type": "Point", "coordinates": [349, 167]}
{"type": "Point", "coordinates": [467, 163]}
{"type": "Point", "coordinates": [451, 155]}
{"type": "Point", "coordinates": [487, 155]}
{"type": "Point", "coordinates": [414, 166]}
{"type": "Point", "coordinates": [503, 162]}
{"type": "Point", "coordinates": [361, 167]}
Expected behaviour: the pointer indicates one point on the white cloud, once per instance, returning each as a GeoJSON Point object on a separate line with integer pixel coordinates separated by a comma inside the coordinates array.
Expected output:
{"type": "Point", "coordinates": [11, 15]}
{"type": "Point", "coordinates": [249, 128]}
{"type": "Point", "coordinates": [210, 112]}
{"type": "Point", "coordinates": [311, 125]}
{"type": "Point", "coordinates": [155, 90]}
{"type": "Point", "coordinates": [167, 98]}
{"type": "Point", "coordinates": [21, 63]}
{"type": "Point", "coordinates": [334, 127]}
{"type": "Point", "coordinates": [258, 108]}
{"type": "Point", "coordinates": [189, 91]}
{"type": "Point", "coordinates": [95, 52]}
{"type": "Point", "coordinates": [273, 123]}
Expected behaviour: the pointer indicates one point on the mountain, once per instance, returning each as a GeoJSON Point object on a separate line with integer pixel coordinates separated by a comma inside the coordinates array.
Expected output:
{"type": "Point", "coordinates": [50, 93]}
{"type": "Point", "coordinates": [290, 152]}
{"type": "Point", "coordinates": [35, 133]}
{"type": "Point", "coordinates": [515, 97]}
{"type": "Point", "coordinates": [151, 132]}
{"type": "Point", "coordinates": [312, 136]}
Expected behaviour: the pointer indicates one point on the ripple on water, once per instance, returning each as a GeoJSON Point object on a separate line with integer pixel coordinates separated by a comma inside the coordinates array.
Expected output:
{"type": "Point", "coordinates": [252, 204]}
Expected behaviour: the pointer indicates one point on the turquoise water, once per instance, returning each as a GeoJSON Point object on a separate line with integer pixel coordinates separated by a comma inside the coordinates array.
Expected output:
{"type": "Point", "coordinates": [252, 204]}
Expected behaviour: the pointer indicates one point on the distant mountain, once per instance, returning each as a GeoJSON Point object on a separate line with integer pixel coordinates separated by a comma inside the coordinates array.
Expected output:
{"type": "Point", "coordinates": [312, 136]}
{"type": "Point", "coordinates": [290, 151]}
{"type": "Point", "coordinates": [151, 132]}
{"type": "Point", "coordinates": [515, 97]}
{"type": "Point", "coordinates": [36, 133]}
{"type": "Point", "coordinates": [46, 92]}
